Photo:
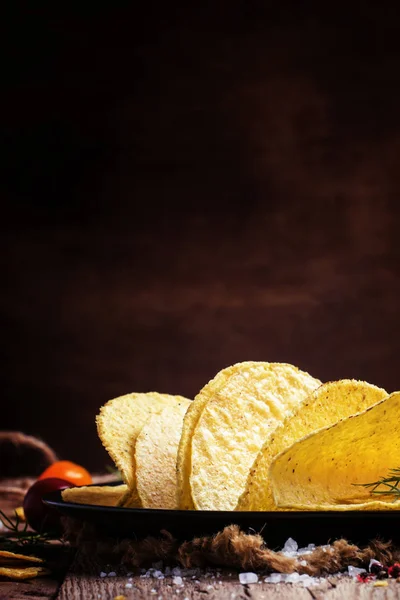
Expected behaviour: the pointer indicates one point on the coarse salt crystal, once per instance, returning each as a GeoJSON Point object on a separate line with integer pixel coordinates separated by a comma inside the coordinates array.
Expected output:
{"type": "Point", "coordinates": [290, 546]}
{"type": "Point", "coordinates": [153, 591]}
{"type": "Point", "coordinates": [307, 550]}
{"type": "Point", "coordinates": [129, 585]}
{"type": "Point", "coordinates": [246, 578]}
{"type": "Point", "coordinates": [273, 578]}
{"type": "Point", "coordinates": [354, 571]}
{"type": "Point", "coordinates": [177, 580]}
{"type": "Point", "coordinates": [112, 574]}
{"type": "Point", "coordinates": [292, 578]}
{"type": "Point", "coordinates": [176, 571]}
{"type": "Point", "coordinates": [158, 575]}
{"type": "Point", "coordinates": [303, 563]}
{"type": "Point", "coordinates": [102, 574]}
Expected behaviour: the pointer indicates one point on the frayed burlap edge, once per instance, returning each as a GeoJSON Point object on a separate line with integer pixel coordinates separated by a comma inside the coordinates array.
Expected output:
{"type": "Point", "coordinates": [229, 548]}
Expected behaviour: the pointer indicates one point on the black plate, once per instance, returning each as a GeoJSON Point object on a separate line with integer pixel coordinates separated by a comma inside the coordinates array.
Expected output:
{"type": "Point", "coordinates": [275, 527]}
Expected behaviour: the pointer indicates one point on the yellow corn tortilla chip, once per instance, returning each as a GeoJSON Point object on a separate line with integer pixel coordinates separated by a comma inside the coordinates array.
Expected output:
{"type": "Point", "coordinates": [119, 423]}
{"type": "Point", "coordinates": [325, 406]}
{"type": "Point", "coordinates": [365, 506]}
{"type": "Point", "coordinates": [155, 457]}
{"type": "Point", "coordinates": [27, 573]}
{"type": "Point", "coordinates": [184, 458]}
{"type": "Point", "coordinates": [107, 495]}
{"type": "Point", "coordinates": [232, 417]}
{"type": "Point", "coordinates": [7, 558]}
{"type": "Point", "coordinates": [323, 468]}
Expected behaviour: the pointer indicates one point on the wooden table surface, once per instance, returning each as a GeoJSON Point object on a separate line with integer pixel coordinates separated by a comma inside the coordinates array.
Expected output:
{"type": "Point", "coordinates": [67, 582]}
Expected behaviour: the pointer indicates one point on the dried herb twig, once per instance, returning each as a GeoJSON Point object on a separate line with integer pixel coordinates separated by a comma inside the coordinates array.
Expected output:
{"type": "Point", "coordinates": [385, 486]}
{"type": "Point", "coordinates": [18, 533]}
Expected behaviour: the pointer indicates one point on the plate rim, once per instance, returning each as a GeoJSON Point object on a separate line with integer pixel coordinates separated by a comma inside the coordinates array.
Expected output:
{"type": "Point", "coordinates": [54, 499]}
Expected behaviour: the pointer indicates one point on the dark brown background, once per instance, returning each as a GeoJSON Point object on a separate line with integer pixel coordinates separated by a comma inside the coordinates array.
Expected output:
{"type": "Point", "coordinates": [186, 188]}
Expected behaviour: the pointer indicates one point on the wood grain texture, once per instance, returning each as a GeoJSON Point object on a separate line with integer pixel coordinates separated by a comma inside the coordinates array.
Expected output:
{"type": "Point", "coordinates": [225, 588]}
{"type": "Point", "coordinates": [187, 189]}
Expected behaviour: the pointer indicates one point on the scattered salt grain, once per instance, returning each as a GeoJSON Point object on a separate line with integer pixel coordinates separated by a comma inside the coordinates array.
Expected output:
{"type": "Point", "coordinates": [153, 591]}
{"type": "Point", "coordinates": [158, 575]}
{"type": "Point", "coordinates": [102, 574]}
{"type": "Point", "coordinates": [307, 550]}
{"type": "Point", "coordinates": [273, 578]}
{"type": "Point", "coordinates": [177, 580]}
{"type": "Point", "coordinates": [308, 581]}
{"type": "Point", "coordinates": [128, 585]}
{"type": "Point", "coordinates": [246, 578]}
{"type": "Point", "coordinates": [292, 578]}
{"type": "Point", "coordinates": [354, 571]}
{"type": "Point", "coordinates": [303, 563]}
{"type": "Point", "coordinates": [176, 571]}
{"type": "Point", "coordinates": [112, 574]}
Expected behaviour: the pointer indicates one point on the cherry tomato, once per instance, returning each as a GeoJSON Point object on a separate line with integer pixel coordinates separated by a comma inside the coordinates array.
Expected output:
{"type": "Point", "coordinates": [64, 469]}
{"type": "Point", "coordinates": [40, 517]}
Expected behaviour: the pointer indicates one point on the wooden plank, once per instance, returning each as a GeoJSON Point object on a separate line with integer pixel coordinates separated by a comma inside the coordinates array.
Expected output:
{"type": "Point", "coordinates": [84, 580]}
{"type": "Point", "coordinates": [81, 586]}
{"type": "Point", "coordinates": [44, 588]}
{"type": "Point", "coordinates": [346, 588]}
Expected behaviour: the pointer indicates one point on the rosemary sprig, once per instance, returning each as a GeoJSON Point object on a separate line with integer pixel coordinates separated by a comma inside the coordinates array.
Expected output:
{"type": "Point", "coordinates": [390, 485]}
{"type": "Point", "coordinates": [18, 533]}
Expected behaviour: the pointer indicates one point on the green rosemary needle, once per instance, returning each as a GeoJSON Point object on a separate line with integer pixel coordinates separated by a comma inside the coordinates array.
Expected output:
{"type": "Point", "coordinates": [385, 486]}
